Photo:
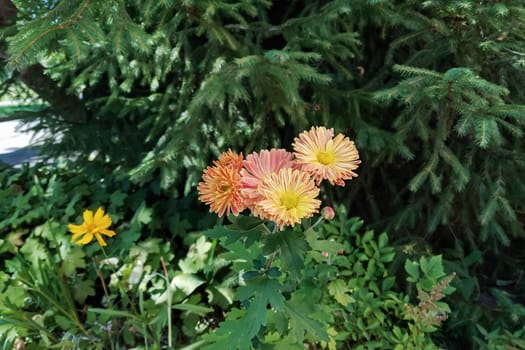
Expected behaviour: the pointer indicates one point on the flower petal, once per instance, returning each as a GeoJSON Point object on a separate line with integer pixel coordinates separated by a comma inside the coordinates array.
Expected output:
{"type": "Point", "coordinates": [98, 215]}
{"type": "Point", "coordinates": [100, 240]}
{"type": "Point", "coordinates": [88, 216]}
{"type": "Point", "coordinates": [103, 222]}
{"type": "Point", "coordinates": [109, 233]}
{"type": "Point", "coordinates": [86, 239]}
{"type": "Point", "coordinates": [77, 229]}
{"type": "Point", "coordinates": [75, 237]}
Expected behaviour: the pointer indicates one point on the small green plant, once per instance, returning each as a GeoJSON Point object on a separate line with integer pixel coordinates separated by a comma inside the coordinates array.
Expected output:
{"type": "Point", "coordinates": [292, 278]}
{"type": "Point", "coordinates": [325, 284]}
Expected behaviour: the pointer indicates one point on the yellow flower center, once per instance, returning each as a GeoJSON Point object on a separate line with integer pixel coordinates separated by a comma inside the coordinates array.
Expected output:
{"type": "Point", "coordinates": [325, 158]}
{"type": "Point", "coordinates": [224, 188]}
{"type": "Point", "coordinates": [289, 200]}
{"type": "Point", "coordinates": [92, 228]}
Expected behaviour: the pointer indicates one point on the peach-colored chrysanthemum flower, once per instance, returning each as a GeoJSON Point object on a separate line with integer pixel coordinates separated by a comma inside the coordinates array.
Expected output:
{"type": "Point", "coordinates": [256, 167]}
{"type": "Point", "coordinates": [324, 156]}
{"type": "Point", "coordinates": [289, 195]}
{"type": "Point", "coordinates": [93, 226]}
{"type": "Point", "coordinates": [220, 186]}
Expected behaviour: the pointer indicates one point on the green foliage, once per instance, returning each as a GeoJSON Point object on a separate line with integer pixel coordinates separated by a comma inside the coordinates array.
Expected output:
{"type": "Point", "coordinates": [445, 108]}
{"type": "Point", "coordinates": [335, 291]}
{"type": "Point", "coordinates": [135, 307]}
{"type": "Point", "coordinates": [431, 91]}
{"type": "Point", "coordinates": [497, 339]}
{"type": "Point", "coordinates": [49, 284]}
{"type": "Point", "coordinates": [329, 285]}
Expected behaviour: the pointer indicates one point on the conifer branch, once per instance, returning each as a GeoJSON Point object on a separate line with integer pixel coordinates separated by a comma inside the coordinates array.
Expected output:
{"type": "Point", "coordinates": [14, 60]}
{"type": "Point", "coordinates": [70, 107]}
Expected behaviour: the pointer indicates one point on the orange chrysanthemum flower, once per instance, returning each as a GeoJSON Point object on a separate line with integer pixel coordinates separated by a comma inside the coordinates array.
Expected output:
{"type": "Point", "coordinates": [256, 167]}
{"type": "Point", "coordinates": [230, 159]}
{"type": "Point", "coordinates": [289, 195]}
{"type": "Point", "coordinates": [220, 186]}
{"type": "Point", "coordinates": [326, 157]}
{"type": "Point", "coordinates": [93, 226]}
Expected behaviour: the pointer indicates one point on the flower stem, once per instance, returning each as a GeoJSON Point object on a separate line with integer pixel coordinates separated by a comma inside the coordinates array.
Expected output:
{"type": "Point", "coordinates": [119, 285]}
{"type": "Point", "coordinates": [101, 277]}
{"type": "Point", "coordinates": [168, 301]}
{"type": "Point", "coordinates": [315, 224]}
{"type": "Point", "coordinates": [267, 229]}
{"type": "Point", "coordinates": [270, 259]}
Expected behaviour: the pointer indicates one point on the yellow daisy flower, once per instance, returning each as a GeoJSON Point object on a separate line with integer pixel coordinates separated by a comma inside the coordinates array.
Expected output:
{"type": "Point", "coordinates": [326, 157]}
{"type": "Point", "coordinates": [289, 195]}
{"type": "Point", "coordinates": [93, 226]}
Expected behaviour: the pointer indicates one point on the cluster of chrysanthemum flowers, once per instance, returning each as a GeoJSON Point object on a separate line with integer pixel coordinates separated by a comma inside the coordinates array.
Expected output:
{"type": "Point", "coordinates": [278, 185]}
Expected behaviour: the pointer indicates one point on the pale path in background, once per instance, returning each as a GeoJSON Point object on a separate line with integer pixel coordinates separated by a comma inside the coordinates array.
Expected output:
{"type": "Point", "coordinates": [15, 145]}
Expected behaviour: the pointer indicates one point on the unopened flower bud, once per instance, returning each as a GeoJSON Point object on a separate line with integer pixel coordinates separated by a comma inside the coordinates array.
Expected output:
{"type": "Point", "coordinates": [328, 213]}
{"type": "Point", "coordinates": [325, 254]}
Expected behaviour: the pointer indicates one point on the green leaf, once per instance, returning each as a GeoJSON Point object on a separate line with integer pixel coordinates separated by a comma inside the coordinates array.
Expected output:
{"type": "Point", "coordinates": [244, 223]}
{"type": "Point", "coordinates": [250, 275]}
{"type": "Point", "coordinates": [197, 256]}
{"type": "Point", "coordinates": [220, 231]}
{"type": "Point", "coordinates": [117, 199]}
{"type": "Point", "coordinates": [143, 214]}
{"type": "Point", "coordinates": [369, 235]}
{"type": "Point", "coordinates": [83, 289]}
{"type": "Point", "coordinates": [434, 268]}
{"type": "Point", "coordinates": [383, 240]}
{"type": "Point", "coordinates": [196, 309]}
{"type": "Point", "coordinates": [241, 326]}
{"type": "Point", "coordinates": [111, 312]}
{"type": "Point", "coordinates": [75, 259]}
{"type": "Point", "coordinates": [265, 291]}
{"type": "Point", "coordinates": [423, 264]}
{"type": "Point", "coordinates": [488, 211]}
{"type": "Point", "coordinates": [274, 272]}
{"type": "Point", "coordinates": [63, 322]}
{"type": "Point", "coordinates": [12, 242]}
{"type": "Point", "coordinates": [322, 245]}
{"type": "Point", "coordinates": [340, 291]}
{"type": "Point", "coordinates": [387, 283]}
{"type": "Point", "coordinates": [292, 246]}
{"type": "Point", "coordinates": [301, 322]}
{"type": "Point", "coordinates": [14, 295]}
{"type": "Point", "coordinates": [186, 282]}
{"type": "Point", "coordinates": [50, 229]}
{"type": "Point", "coordinates": [500, 10]}
{"type": "Point", "coordinates": [34, 251]}
{"type": "Point", "coordinates": [412, 268]}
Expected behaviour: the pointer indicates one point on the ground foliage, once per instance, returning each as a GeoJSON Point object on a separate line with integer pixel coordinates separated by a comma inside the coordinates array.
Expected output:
{"type": "Point", "coordinates": [233, 286]}
{"type": "Point", "coordinates": [430, 91]}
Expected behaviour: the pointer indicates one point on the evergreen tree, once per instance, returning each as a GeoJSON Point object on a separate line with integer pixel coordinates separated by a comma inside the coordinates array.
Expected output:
{"type": "Point", "coordinates": [430, 90]}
